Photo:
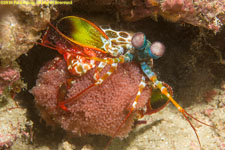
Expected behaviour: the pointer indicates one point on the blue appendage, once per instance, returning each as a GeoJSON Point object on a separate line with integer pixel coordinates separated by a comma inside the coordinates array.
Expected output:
{"type": "Point", "coordinates": [147, 70]}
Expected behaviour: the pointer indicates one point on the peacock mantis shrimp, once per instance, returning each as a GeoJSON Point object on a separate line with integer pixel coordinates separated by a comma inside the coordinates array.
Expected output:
{"type": "Point", "coordinates": [85, 46]}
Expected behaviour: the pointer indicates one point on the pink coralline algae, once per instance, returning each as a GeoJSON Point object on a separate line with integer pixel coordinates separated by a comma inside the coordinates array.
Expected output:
{"type": "Point", "coordinates": [8, 76]}
{"type": "Point", "coordinates": [98, 111]}
{"type": "Point", "coordinates": [203, 13]}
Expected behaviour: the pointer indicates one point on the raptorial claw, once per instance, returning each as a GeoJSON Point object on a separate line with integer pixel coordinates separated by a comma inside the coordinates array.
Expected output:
{"type": "Point", "coordinates": [62, 92]}
{"type": "Point", "coordinates": [63, 107]}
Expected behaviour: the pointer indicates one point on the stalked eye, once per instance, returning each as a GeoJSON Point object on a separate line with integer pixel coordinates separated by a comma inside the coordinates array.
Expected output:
{"type": "Point", "coordinates": [139, 41]}
{"type": "Point", "coordinates": [157, 49]}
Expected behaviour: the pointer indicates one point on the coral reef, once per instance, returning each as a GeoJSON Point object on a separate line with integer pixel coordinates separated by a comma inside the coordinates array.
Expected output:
{"type": "Point", "coordinates": [20, 26]}
{"type": "Point", "coordinates": [13, 122]}
{"type": "Point", "coordinates": [98, 111]}
{"type": "Point", "coordinates": [10, 80]}
{"type": "Point", "coordinates": [208, 14]}
{"type": "Point", "coordinates": [19, 29]}
{"type": "Point", "coordinates": [8, 77]}
{"type": "Point", "coordinates": [202, 13]}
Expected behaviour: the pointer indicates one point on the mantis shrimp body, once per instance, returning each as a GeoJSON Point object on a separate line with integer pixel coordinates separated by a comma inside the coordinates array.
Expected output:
{"type": "Point", "coordinates": [86, 46]}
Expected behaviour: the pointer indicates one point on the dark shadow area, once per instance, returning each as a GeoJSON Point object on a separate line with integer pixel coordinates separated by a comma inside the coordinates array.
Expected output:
{"type": "Point", "coordinates": [30, 65]}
